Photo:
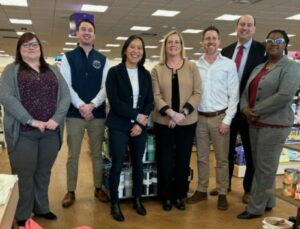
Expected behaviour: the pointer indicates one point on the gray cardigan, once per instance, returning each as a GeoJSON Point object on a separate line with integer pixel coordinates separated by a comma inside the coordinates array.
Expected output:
{"type": "Point", "coordinates": [15, 113]}
{"type": "Point", "coordinates": [275, 92]}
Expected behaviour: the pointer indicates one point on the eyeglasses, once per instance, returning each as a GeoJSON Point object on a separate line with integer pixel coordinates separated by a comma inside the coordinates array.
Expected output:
{"type": "Point", "coordinates": [31, 45]}
{"type": "Point", "coordinates": [278, 41]}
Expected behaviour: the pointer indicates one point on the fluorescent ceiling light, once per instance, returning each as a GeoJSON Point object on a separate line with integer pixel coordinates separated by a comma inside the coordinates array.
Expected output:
{"type": "Point", "coordinates": [20, 21]}
{"type": "Point", "coordinates": [198, 53]}
{"type": "Point", "coordinates": [2, 51]}
{"type": "Point", "coordinates": [22, 3]}
{"type": "Point", "coordinates": [192, 31]}
{"type": "Point", "coordinates": [93, 8]}
{"type": "Point", "coordinates": [20, 33]}
{"type": "Point", "coordinates": [162, 40]}
{"type": "Point", "coordinates": [228, 17]}
{"type": "Point", "coordinates": [291, 35]}
{"type": "Point", "coordinates": [70, 36]}
{"type": "Point", "coordinates": [112, 45]}
{"type": "Point", "coordinates": [104, 50]}
{"type": "Point", "coordinates": [151, 46]}
{"type": "Point", "coordinates": [188, 48]}
{"type": "Point", "coordinates": [118, 59]}
{"type": "Point", "coordinates": [155, 56]}
{"type": "Point", "coordinates": [165, 13]}
{"type": "Point", "coordinates": [232, 34]}
{"type": "Point", "coordinates": [122, 38]}
{"type": "Point", "coordinates": [140, 28]}
{"type": "Point", "coordinates": [4, 55]}
{"type": "Point", "coordinates": [67, 49]}
{"type": "Point", "coordinates": [294, 17]}
{"type": "Point", "coordinates": [219, 49]}
{"type": "Point", "coordinates": [70, 43]}
{"type": "Point", "coordinates": [289, 45]}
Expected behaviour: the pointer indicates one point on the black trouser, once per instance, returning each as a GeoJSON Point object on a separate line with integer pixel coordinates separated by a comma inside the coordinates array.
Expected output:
{"type": "Point", "coordinates": [173, 153]}
{"type": "Point", "coordinates": [240, 125]}
{"type": "Point", "coordinates": [118, 142]}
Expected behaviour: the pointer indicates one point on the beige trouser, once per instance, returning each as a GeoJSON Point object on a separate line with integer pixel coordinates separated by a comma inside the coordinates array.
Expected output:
{"type": "Point", "coordinates": [75, 132]}
{"type": "Point", "coordinates": [208, 130]}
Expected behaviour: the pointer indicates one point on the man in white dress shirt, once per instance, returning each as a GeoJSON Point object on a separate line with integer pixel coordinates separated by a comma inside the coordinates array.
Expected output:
{"type": "Point", "coordinates": [220, 86]}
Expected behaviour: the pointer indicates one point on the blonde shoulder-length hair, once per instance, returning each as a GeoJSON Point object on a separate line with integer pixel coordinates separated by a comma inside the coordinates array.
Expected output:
{"type": "Point", "coordinates": [163, 54]}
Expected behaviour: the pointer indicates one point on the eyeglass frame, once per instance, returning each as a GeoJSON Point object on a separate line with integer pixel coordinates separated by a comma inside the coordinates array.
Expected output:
{"type": "Point", "coordinates": [278, 41]}
{"type": "Point", "coordinates": [27, 45]}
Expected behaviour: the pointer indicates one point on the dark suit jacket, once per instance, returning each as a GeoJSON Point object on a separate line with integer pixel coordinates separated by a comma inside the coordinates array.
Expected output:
{"type": "Point", "coordinates": [256, 56]}
{"type": "Point", "coordinates": [120, 97]}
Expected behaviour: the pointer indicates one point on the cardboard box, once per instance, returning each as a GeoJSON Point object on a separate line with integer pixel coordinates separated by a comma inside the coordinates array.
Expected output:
{"type": "Point", "coordinates": [239, 170]}
{"type": "Point", "coordinates": [7, 211]}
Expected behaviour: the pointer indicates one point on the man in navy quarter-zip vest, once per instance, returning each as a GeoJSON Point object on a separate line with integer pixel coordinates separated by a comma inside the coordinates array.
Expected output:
{"type": "Point", "coordinates": [85, 71]}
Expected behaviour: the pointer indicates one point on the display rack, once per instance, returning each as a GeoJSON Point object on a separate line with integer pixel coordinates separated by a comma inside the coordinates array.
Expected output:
{"type": "Point", "coordinates": [149, 171]}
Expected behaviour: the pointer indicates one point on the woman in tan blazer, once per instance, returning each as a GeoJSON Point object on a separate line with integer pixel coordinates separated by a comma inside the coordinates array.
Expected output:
{"type": "Point", "coordinates": [177, 90]}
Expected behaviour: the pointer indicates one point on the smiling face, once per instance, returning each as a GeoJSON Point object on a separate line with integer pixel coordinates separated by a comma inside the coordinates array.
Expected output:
{"type": "Point", "coordinates": [245, 28]}
{"type": "Point", "coordinates": [30, 51]}
{"type": "Point", "coordinates": [274, 45]}
{"type": "Point", "coordinates": [134, 53]}
{"type": "Point", "coordinates": [173, 45]}
{"type": "Point", "coordinates": [211, 42]}
{"type": "Point", "coordinates": [86, 34]}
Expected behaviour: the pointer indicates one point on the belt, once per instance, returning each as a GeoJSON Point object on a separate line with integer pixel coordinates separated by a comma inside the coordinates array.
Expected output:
{"type": "Point", "coordinates": [212, 114]}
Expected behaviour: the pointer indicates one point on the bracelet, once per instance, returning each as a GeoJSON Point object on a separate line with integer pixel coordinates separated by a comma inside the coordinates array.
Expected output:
{"type": "Point", "coordinates": [173, 116]}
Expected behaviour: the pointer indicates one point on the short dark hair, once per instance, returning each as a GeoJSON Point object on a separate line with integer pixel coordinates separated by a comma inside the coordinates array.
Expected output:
{"type": "Point", "coordinates": [284, 35]}
{"type": "Point", "coordinates": [26, 37]}
{"type": "Point", "coordinates": [254, 20]}
{"type": "Point", "coordinates": [85, 20]}
{"type": "Point", "coordinates": [127, 43]}
{"type": "Point", "coordinates": [210, 28]}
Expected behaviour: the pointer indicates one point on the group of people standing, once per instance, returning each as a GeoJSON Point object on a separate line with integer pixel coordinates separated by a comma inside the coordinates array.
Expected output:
{"type": "Point", "coordinates": [240, 90]}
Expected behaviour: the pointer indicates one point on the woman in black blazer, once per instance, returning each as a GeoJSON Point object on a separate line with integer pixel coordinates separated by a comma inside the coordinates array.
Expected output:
{"type": "Point", "coordinates": [129, 92]}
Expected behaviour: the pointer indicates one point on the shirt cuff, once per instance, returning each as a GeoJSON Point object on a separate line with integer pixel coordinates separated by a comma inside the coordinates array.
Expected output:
{"type": "Point", "coordinates": [162, 111]}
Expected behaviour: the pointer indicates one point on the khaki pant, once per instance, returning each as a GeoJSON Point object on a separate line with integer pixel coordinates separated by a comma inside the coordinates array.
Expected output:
{"type": "Point", "coordinates": [208, 130]}
{"type": "Point", "coordinates": [75, 132]}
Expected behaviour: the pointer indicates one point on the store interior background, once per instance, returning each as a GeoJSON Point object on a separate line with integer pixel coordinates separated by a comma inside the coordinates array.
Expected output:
{"type": "Point", "coordinates": [50, 21]}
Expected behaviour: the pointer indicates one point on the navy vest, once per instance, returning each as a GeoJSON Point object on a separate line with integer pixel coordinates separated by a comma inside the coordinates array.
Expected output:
{"type": "Point", "coordinates": [86, 78]}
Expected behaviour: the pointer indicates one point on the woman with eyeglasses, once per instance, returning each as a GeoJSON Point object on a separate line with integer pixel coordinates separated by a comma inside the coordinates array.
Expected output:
{"type": "Point", "coordinates": [36, 99]}
{"type": "Point", "coordinates": [266, 103]}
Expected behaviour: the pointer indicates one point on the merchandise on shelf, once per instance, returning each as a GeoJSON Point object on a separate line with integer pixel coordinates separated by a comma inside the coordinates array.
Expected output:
{"type": "Point", "coordinates": [240, 156]}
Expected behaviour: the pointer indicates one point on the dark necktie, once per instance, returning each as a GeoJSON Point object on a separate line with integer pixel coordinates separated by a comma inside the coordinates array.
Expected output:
{"type": "Point", "coordinates": [239, 56]}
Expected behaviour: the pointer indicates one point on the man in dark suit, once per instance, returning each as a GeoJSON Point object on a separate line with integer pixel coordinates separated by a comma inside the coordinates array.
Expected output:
{"type": "Point", "coordinates": [252, 54]}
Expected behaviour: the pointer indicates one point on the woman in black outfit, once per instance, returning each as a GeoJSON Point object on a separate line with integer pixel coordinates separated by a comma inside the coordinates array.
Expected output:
{"type": "Point", "coordinates": [129, 91]}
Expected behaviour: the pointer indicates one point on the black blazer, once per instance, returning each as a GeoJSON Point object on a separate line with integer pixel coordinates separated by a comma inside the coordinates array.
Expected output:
{"type": "Point", "coordinates": [120, 97]}
{"type": "Point", "coordinates": [256, 56]}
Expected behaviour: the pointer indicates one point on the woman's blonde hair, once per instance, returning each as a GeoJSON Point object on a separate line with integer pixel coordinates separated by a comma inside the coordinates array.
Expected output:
{"type": "Point", "coordinates": [163, 55]}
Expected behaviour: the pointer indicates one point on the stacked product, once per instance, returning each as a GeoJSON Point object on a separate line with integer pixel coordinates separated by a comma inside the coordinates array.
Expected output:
{"type": "Point", "coordinates": [290, 180]}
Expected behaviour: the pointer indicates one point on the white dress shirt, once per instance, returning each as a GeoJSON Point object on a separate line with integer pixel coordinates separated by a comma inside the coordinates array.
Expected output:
{"type": "Point", "coordinates": [75, 99]}
{"type": "Point", "coordinates": [220, 86]}
{"type": "Point", "coordinates": [246, 50]}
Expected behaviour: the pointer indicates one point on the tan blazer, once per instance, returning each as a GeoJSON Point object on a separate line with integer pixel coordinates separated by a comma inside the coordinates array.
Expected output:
{"type": "Point", "coordinates": [189, 90]}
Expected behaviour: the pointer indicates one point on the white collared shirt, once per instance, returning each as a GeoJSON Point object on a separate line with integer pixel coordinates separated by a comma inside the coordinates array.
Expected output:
{"type": "Point", "coordinates": [246, 50]}
{"type": "Point", "coordinates": [220, 86]}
